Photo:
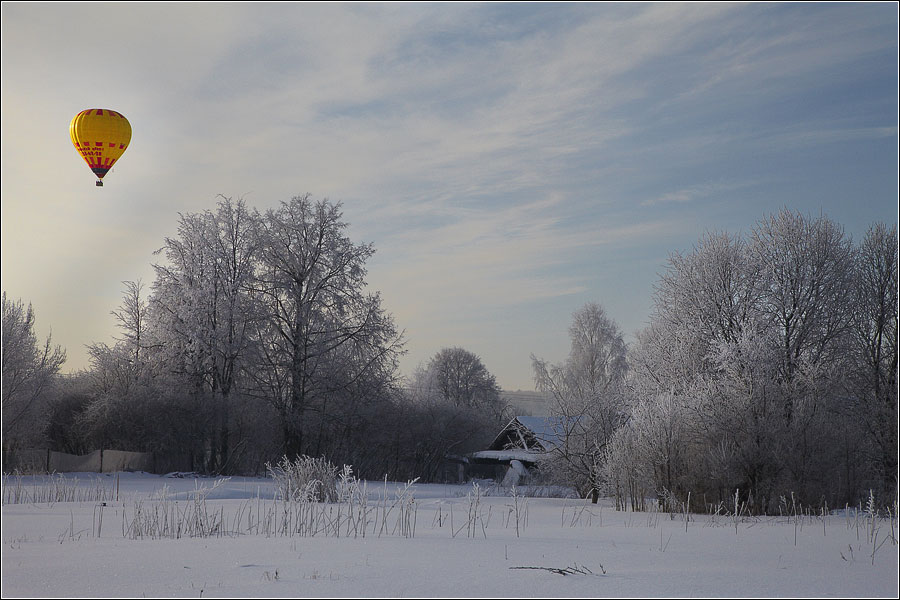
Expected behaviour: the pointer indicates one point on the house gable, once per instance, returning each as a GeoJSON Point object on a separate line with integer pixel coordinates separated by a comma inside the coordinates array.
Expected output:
{"type": "Point", "coordinates": [536, 434]}
{"type": "Point", "coordinates": [525, 439]}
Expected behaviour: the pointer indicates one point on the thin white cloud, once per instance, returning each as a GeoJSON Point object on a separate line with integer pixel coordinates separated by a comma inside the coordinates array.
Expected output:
{"type": "Point", "coordinates": [512, 256]}
{"type": "Point", "coordinates": [826, 135]}
{"type": "Point", "coordinates": [696, 192]}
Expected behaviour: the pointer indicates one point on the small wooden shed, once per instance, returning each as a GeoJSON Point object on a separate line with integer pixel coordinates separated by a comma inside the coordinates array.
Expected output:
{"type": "Point", "coordinates": [518, 448]}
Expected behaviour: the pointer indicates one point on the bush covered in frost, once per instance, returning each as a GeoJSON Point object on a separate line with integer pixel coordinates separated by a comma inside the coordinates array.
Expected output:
{"type": "Point", "coordinates": [306, 479]}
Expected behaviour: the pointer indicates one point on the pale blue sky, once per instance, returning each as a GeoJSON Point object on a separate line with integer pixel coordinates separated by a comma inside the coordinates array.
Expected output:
{"type": "Point", "coordinates": [510, 162]}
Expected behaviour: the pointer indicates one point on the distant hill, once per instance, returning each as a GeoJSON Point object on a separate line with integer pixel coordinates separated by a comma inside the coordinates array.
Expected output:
{"type": "Point", "coordinates": [527, 403]}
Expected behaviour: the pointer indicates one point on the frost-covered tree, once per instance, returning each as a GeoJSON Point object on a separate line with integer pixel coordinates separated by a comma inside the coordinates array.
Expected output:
{"type": "Point", "coordinates": [587, 395]}
{"type": "Point", "coordinates": [259, 338]}
{"type": "Point", "coordinates": [661, 442]}
{"type": "Point", "coordinates": [705, 297]}
{"type": "Point", "coordinates": [29, 369]}
{"type": "Point", "coordinates": [117, 403]}
{"type": "Point", "coordinates": [873, 384]}
{"type": "Point", "coordinates": [452, 406]}
{"type": "Point", "coordinates": [322, 333]}
{"type": "Point", "coordinates": [132, 320]}
{"type": "Point", "coordinates": [806, 297]}
{"type": "Point", "coordinates": [436, 428]}
{"type": "Point", "coordinates": [461, 379]}
{"type": "Point", "coordinates": [754, 340]}
{"type": "Point", "coordinates": [122, 369]}
{"type": "Point", "coordinates": [740, 420]}
{"type": "Point", "coordinates": [205, 309]}
{"type": "Point", "coordinates": [807, 287]}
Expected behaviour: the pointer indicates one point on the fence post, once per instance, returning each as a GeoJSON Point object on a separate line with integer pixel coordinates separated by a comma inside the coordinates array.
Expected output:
{"type": "Point", "coordinates": [101, 460]}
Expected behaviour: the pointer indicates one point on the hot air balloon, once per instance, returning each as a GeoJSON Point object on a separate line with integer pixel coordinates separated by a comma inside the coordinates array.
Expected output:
{"type": "Point", "coordinates": [101, 137]}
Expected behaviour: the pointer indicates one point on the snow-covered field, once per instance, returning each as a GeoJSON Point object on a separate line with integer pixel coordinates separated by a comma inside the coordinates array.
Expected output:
{"type": "Point", "coordinates": [437, 541]}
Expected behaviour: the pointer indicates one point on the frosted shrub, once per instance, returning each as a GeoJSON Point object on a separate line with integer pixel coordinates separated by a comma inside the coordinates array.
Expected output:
{"type": "Point", "coordinates": [305, 479]}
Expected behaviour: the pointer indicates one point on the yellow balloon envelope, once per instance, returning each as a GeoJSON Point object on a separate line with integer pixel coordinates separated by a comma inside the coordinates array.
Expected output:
{"type": "Point", "coordinates": [101, 137]}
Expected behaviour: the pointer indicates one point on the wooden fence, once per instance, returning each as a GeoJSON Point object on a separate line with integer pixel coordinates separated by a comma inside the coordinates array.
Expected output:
{"type": "Point", "coordinates": [33, 460]}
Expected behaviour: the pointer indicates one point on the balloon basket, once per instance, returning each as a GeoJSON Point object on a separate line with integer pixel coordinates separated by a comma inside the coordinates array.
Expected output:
{"type": "Point", "coordinates": [99, 183]}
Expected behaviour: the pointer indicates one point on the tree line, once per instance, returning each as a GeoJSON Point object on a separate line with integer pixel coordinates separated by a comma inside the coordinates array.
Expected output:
{"type": "Point", "coordinates": [768, 369]}
{"type": "Point", "coordinates": [256, 339]}
{"type": "Point", "coordinates": [768, 366]}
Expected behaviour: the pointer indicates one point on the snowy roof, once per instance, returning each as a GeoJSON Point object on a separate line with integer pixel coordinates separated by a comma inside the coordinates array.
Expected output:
{"type": "Point", "coordinates": [504, 455]}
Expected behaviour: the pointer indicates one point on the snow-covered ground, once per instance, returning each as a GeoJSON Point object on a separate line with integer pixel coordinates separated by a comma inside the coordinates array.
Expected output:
{"type": "Point", "coordinates": [563, 547]}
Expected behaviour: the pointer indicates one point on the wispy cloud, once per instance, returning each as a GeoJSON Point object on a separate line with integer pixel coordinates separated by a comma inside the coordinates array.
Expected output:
{"type": "Point", "coordinates": [696, 192]}
{"type": "Point", "coordinates": [498, 155]}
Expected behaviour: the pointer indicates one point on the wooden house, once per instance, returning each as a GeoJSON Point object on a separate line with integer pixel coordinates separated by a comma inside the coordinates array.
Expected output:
{"type": "Point", "coordinates": [518, 447]}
